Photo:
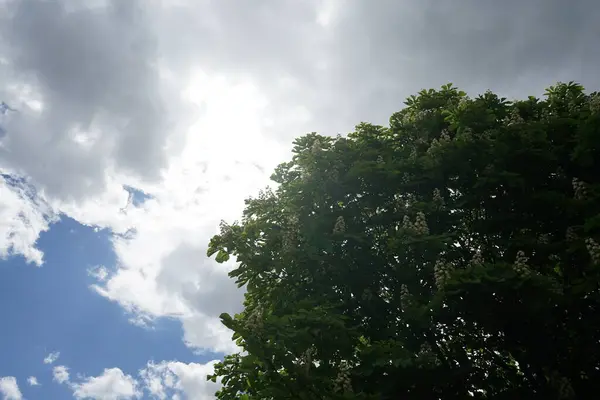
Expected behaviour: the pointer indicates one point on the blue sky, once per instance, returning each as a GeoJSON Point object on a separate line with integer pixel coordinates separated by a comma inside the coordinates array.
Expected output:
{"type": "Point", "coordinates": [52, 309]}
{"type": "Point", "coordinates": [136, 126]}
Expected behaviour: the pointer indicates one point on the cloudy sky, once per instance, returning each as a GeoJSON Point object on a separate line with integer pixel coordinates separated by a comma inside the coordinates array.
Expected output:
{"type": "Point", "coordinates": [140, 124]}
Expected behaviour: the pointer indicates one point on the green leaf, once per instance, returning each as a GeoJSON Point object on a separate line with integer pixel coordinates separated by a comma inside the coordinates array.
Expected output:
{"type": "Point", "coordinates": [222, 256]}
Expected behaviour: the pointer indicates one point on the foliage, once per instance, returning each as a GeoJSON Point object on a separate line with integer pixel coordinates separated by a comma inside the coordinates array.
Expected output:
{"type": "Point", "coordinates": [453, 254]}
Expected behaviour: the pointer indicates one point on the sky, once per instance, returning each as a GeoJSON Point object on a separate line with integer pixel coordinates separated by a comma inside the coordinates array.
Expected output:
{"type": "Point", "coordinates": [129, 129]}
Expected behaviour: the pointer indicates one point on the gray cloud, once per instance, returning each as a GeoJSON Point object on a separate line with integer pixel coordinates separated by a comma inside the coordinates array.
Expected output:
{"type": "Point", "coordinates": [387, 50]}
{"type": "Point", "coordinates": [374, 54]}
{"type": "Point", "coordinates": [205, 288]}
{"type": "Point", "coordinates": [380, 52]}
{"type": "Point", "coordinates": [97, 67]}
{"type": "Point", "coordinates": [95, 70]}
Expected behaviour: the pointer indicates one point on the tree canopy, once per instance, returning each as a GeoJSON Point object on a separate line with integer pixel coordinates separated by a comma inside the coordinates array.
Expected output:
{"type": "Point", "coordinates": [451, 255]}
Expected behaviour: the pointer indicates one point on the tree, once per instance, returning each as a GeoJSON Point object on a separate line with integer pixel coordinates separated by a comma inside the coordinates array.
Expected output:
{"type": "Point", "coordinates": [453, 255]}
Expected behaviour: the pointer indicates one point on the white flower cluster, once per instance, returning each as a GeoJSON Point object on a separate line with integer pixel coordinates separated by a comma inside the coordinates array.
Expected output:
{"type": "Point", "coordinates": [421, 140]}
{"type": "Point", "coordinates": [419, 227]}
{"type": "Point", "coordinates": [418, 116]}
{"type": "Point", "coordinates": [306, 359]}
{"type": "Point", "coordinates": [595, 103]}
{"type": "Point", "coordinates": [438, 200]}
{"type": "Point", "coordinates": [571, 235]}
{"type": "Point", "coordinates": [340, 225]}
{"type": "Point", "coordinates": [385, 294]}
{"type": "Point", "coordinates": [427, 355]}
{"type": "Point", "coordinates": [488, 134]}
{"type": "Point", "coordinates": [580, 188]}
{"type": "Point", "coordinates": [289, 238]}
{"type": "Point", "coordinates": [477, 259]}
{"type": "Point", "coordinates": [410, 200]}
{"type": "Point", "coordinates": [380, 160]}
{"type": "Point", "coordinates": [514, 117]}
{"type": "Point", "coordinates": [398, 203]}
{"type": "Point", "coordinates": [445, 135]}
{"type": "Point", "coordinates": [594, 249]}
{"type": "Point", "coordinates": [465, 134]}
{"type": "Point", "coordinates": [438, 143]}
{"type": "Point", "coordinates": [254, 321]}
{"type": "Point", "coordinates": [546, 115]}
{"type": "Point", "coordinates": [420, 224]}
{"type": "Point", "coordinates": [520, 265]}
{"type": "Point", "coordinates": [544, 238]}
{"type": "Point", "coordinates": [316, 146]}
{"type": "Point", "coordinates": [290, 234]}
{"type": "Point", "coordinates": [406, 224]}
{"type": "Point", "coordinates": [404, 297]}
{"type": "Point", "coordinates": [342, 382]}
{"type": "Point", "coordinates": [293, 219]}
{"type": "Point", "coordinates": [441, 273]}
{"type": "Point", "coordinates": [478, 214]}
{"type": "Point", "coordinates": [425, 348]}
{"type": "Point", "coordinates": [525, 231]}
{"type": "Point", "coordinates": [574, 107]}
{"type": "Point", "coordinates": [333, 173]}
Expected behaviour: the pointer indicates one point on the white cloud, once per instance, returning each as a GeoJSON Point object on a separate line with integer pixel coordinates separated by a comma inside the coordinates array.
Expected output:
{"type": "Point", "coordinates": [326, 11]}
{"type": "Point", "coordinates": [32, 380]}
{"type": "Point", "coordinates": [163, 269]}
{"type": "Point", "coordinates": [113, 384]}
{"type": "Point", "coordinates": [60, 374]}
{"type": "Point", "coordinates": [52, 357]}
{"type": "Point", "coordinates": [187, 380]}
{"type": "Point", "coordinates": [163, 380]}
{"type": "Point", "coordinates": [9, 388]}
{"type": "Point", "coordinates": [99, 273]}
{"type": "Point", "coordinates": [23, 216]}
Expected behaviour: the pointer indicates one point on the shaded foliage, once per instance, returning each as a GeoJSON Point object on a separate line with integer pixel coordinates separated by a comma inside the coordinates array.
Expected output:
{"type": "Point", "coordinates": [453, 254]}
